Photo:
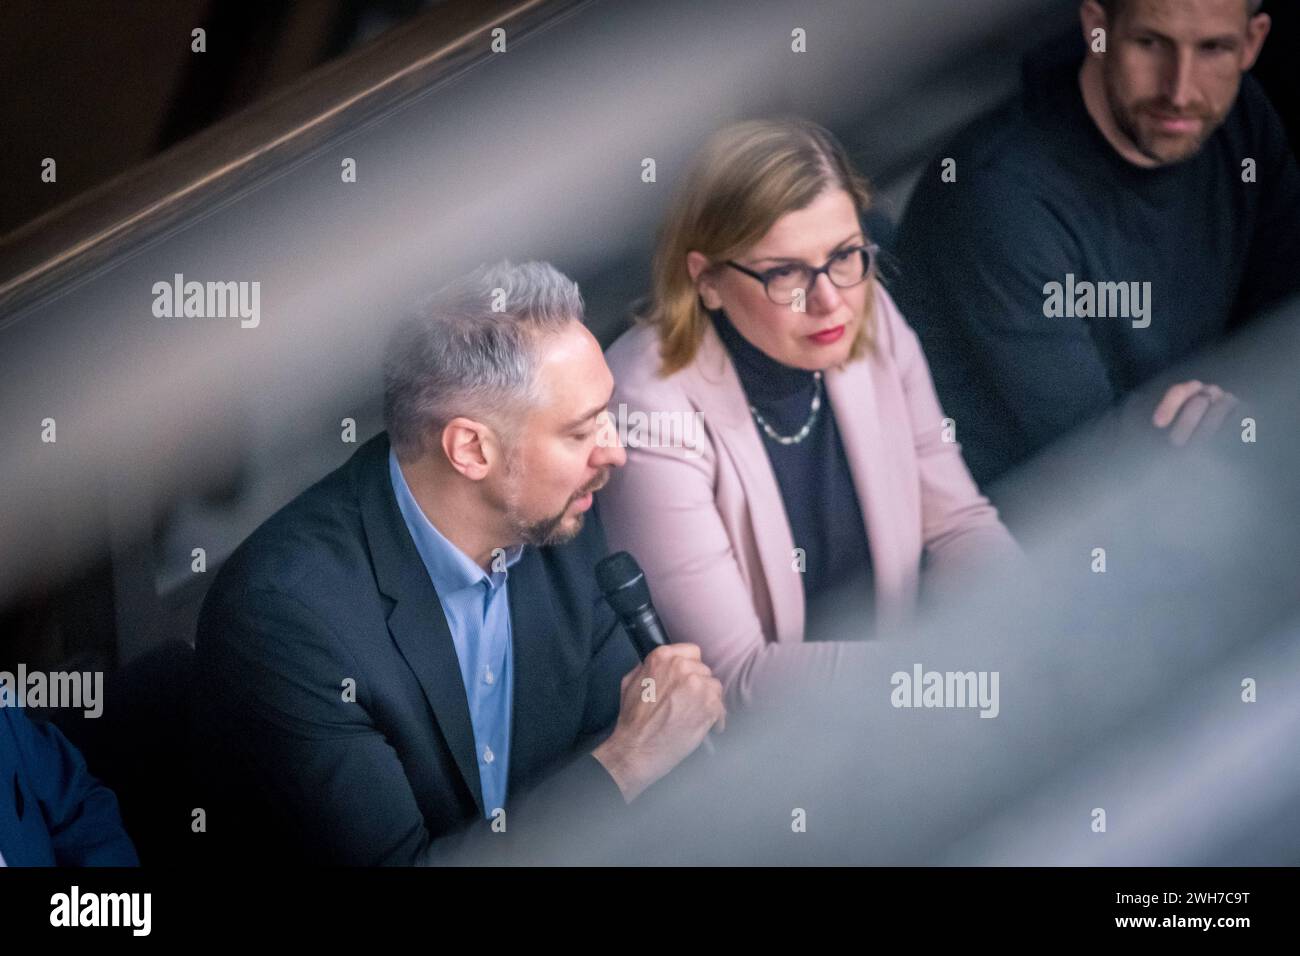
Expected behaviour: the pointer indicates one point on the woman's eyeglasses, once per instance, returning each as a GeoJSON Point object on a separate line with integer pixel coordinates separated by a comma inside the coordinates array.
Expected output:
{"type": "Point", "coordinates": [845, 269]}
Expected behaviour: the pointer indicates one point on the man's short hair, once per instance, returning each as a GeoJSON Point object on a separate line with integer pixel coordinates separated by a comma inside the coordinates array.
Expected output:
{"type": "Point", "coordinates": [470, 350]}
{"type": "Point", "coordinates": [1116, 7]}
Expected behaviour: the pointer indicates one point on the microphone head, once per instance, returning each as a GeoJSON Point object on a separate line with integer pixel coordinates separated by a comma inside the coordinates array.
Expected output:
{"type": "Point", "coordinates": [623, 583]}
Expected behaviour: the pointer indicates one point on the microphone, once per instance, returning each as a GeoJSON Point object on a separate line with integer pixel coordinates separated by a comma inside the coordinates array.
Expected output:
{"type": "Point", "coordinates": [624, 585]}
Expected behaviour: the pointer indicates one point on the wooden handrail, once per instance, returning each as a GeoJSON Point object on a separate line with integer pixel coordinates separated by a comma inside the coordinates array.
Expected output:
{"type": "Point", "coordinates": [97, 225]}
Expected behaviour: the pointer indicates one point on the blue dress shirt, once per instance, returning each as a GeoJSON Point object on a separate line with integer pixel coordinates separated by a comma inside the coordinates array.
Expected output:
{"type": "Point", "coordinates": [477, 607]}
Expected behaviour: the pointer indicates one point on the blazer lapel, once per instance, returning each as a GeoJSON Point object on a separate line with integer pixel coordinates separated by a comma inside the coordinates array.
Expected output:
{"type": "Point", "coordinates": [888, 504]}
{"type": "Point", "coordinates": [716, 388]}
{"type": "Point", "coordinates": [416, 622]}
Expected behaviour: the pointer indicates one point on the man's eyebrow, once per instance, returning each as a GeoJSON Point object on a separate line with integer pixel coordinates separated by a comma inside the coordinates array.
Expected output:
{"type": "Point", "coordinates": [1137, 29]}
{"type": "Point", "coordinates": [1225, 39]}
{"type": "Point", "coordinates": [591, 414]}
{"type": "Point", "coordinates": [834, 249]}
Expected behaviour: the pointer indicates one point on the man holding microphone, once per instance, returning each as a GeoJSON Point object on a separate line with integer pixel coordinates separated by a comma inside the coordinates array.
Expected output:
{"type": "Point", "coordinates": [417, 644]}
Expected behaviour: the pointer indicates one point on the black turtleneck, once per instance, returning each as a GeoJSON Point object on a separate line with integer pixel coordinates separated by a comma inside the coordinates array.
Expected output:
{"type": "Point", "coordinates": [816, 487]}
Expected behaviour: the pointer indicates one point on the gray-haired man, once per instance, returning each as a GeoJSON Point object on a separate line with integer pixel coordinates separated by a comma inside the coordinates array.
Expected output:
{"type": "Point", "coordinates": [418, 639]}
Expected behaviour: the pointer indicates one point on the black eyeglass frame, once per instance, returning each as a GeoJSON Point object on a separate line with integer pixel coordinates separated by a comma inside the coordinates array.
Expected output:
{"type": "Point", "coordinates": [868, 251]}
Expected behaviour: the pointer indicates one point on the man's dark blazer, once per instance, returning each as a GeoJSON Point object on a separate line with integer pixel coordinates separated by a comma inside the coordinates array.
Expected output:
{"type": "Point", "coordinates": [330, 594]}
{"type": "Point", "coordinates": [52, 811]}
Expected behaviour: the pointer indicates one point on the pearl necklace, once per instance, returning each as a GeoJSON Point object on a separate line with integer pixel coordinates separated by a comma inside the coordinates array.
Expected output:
{"type": "Point", "coordinates": [802, 433]}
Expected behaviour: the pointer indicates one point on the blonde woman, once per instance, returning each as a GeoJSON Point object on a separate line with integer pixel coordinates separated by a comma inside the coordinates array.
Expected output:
{"type": "Point", "coordinates": [822, 473]}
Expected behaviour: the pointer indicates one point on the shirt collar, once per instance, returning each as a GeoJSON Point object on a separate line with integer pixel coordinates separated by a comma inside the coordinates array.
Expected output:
{"type": "Point", "coordinates": [449, 568]}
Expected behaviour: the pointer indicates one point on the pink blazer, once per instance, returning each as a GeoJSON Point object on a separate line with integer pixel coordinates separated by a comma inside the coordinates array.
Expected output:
{"type": "Point", "coordinates": [709, 527]}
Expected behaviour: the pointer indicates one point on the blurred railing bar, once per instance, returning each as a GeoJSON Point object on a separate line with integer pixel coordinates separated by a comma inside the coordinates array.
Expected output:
{"type": "Point", "coordinates": [435, 46]}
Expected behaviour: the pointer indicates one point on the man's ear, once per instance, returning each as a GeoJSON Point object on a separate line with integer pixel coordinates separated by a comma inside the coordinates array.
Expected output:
{"type": "Point", "coordinates": [1256, 33]}
{"type": "Point", "coordinates": [470, 447]}
{"type": "Point", "coordinates": [697, 264]}
{"type": "Point", "coordinates": [1093, 16]}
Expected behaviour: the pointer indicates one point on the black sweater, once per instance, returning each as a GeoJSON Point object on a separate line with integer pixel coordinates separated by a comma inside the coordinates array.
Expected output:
{"type": "Point", "coordinates": [1041, 196]}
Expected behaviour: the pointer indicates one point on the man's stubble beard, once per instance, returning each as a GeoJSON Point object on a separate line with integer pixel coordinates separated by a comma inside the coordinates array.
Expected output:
{"type": "Point", "coordinates": [1126, 121]}
{"type": "Point", "coordinates": [549, 531]}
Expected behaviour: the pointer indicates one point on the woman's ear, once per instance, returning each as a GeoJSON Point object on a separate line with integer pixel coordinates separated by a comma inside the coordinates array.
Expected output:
{"type": "Point", "coordinates": [697, 265]}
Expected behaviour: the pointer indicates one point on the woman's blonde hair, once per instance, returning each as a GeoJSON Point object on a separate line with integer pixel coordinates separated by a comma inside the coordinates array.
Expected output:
{"type": "Point", "coordinates": [747, 176]}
